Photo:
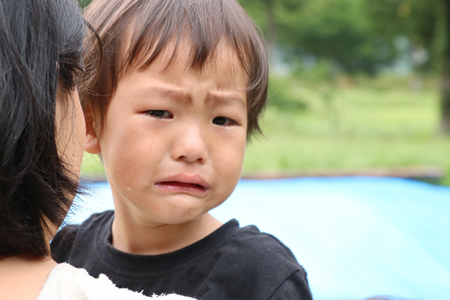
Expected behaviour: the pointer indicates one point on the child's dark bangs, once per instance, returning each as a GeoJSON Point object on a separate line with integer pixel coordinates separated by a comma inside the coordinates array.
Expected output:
{"type": "Point", "coordinates": [195, 30]}
{"type": "Point", "coordinates": [201, 25]}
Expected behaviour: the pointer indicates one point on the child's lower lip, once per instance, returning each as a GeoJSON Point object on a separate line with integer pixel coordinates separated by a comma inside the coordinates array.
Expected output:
{"type": "Point", "coordinates": [173, 186]}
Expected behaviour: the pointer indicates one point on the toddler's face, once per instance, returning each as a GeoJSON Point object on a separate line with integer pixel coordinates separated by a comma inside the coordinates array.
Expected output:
{"type": "Point", "coordinates": [173, 142]}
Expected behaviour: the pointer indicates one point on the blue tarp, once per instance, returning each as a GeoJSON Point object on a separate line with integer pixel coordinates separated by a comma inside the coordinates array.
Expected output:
{"type": "Point", "coordinates": [357, 237]}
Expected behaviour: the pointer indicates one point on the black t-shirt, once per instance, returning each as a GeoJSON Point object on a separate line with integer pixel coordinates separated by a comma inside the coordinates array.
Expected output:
{"type": "Point", "coordinates": [230, 263]}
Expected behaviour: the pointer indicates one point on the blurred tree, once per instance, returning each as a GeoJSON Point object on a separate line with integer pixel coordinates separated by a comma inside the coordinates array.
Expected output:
{"type": "Point", "coordinates": [427, 25]}
{"type": "Point", "coordinates": [419, 21]}
{"type": "Point", "coordinates": [334, 30]}
{"type": "Point", "coordinates": [445, 102]}
{"type": "Point", "coordinates": [268, 15]}
{"type": "Point", "coordinates": [359, 35]}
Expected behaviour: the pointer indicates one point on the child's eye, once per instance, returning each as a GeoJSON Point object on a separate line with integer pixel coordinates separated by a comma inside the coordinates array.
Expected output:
{"type": "Point", "coordinates": [223, 121]}
{"type": "Point", "coordinates": [160, 114]}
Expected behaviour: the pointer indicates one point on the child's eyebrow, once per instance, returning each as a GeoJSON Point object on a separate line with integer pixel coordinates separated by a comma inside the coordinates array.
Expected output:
{"type": "Point", "coordinates": [163, 91]}
{"type": "Point", "coordinates": [226, 97]}
{"type": "Point", "coordinates": [171, 92]}
{"type": "Point", "coordinates": [176, 93]}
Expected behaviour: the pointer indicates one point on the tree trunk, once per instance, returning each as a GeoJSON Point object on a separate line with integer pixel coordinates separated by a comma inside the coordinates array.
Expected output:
{"type": "Point", "coordinates": [445, 84]}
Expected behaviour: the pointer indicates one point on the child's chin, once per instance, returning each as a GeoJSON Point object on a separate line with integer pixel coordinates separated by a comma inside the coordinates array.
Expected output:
{"type": "Point", "coordinates": [184, 214]}
{"type": "Point", "coordinates": [182, 220]}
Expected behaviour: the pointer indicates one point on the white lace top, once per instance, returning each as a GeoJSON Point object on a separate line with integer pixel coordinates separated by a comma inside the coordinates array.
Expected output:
{"type": "Point", "coordinates": [66, 282]}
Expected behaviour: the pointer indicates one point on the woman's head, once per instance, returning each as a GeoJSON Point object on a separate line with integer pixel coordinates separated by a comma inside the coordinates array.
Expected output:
{"type": "Point", "coordinates": [39, 119]}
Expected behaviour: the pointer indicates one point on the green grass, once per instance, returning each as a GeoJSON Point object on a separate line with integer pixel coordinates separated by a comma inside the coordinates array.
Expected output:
{"type": "Point", "coordinates": [343, 128]}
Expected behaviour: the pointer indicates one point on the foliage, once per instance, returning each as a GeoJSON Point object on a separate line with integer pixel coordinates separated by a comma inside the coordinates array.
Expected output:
{"type": "Point", "coordinates": [420, 21]}
{"type": "Point", "coordinates": [337, 31]}
{"type": "Point", "coordinates": [361, 35]}
{"type": "Point", "coordinates": [282, 96]}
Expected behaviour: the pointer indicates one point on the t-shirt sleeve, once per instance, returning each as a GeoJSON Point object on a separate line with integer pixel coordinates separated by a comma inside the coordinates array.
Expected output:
{"type": "Point", "coordinates": [294, 287]}
{"type": "Point", "coordinates": [63, 242]}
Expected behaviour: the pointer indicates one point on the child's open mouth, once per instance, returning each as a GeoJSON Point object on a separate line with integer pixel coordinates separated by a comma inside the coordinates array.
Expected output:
{"type": "Point", "coordinates": [180, 186]}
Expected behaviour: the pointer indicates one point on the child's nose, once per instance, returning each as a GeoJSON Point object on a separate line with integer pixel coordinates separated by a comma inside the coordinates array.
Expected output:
{"type": "Point", "coordinates": [190, 145]}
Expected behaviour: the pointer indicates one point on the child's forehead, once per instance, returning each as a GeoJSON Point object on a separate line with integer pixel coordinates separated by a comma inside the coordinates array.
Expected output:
{"type": "Point", "coordinates": [179, 55]}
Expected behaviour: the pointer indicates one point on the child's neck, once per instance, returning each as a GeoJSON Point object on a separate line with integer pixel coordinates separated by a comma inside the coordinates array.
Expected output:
{"type": "Point", "coordinates": [135, 238]}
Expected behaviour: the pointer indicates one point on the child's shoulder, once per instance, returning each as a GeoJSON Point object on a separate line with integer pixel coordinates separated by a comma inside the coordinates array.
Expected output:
{"type": "Point", "coordinates": [260, 262]}
{"type": "Point", "coordinates": [255, 240]}
{"type": "Point", "coordinates": [94, 223]}
{"type": "Point", "coordinates": [80, 236]}
{"type": "Point", "coordinates": [258, 249]}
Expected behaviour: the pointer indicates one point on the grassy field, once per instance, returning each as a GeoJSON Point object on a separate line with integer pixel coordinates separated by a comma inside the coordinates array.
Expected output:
{"type": "Point", "coordinates": [344, 127]}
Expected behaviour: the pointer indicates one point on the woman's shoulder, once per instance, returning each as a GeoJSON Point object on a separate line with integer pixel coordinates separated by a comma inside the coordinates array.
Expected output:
{"type": "Point", "coordinates": [68, 282]}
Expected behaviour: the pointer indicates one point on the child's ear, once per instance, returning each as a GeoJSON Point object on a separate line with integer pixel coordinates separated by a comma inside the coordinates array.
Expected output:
{"type": "Point", "coordinates": [91, 144]}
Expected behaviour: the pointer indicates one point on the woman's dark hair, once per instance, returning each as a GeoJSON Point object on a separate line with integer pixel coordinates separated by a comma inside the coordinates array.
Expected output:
{"type": "Point", "coordinates": [134, 33]}
{"type": "Point", "coordinates": [40, 52]}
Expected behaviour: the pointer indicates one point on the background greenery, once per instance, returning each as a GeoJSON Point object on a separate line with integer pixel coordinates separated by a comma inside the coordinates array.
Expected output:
{"type": "Point", "coordinates": [358, 86]}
